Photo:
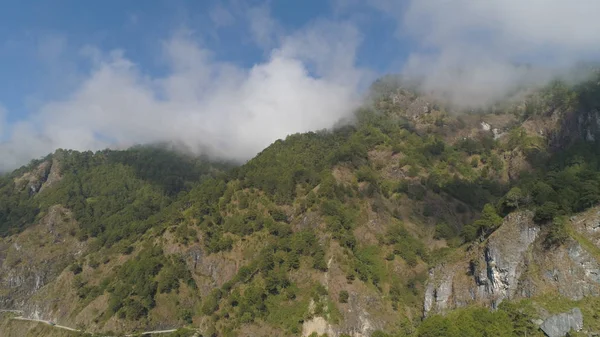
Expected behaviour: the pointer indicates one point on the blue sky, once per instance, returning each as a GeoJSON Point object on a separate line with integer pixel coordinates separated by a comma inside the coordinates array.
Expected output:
{"type": "Point", "coordinates": [41, 40]}
{"type": "Point", "coordinates": [229, 77]}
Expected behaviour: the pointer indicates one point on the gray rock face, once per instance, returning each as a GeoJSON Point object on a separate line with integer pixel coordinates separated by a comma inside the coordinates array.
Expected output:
{"type": "Point", "coordinates": [559, 325]}
{"type": "Point", "coordinates": [53, 175]}
{"type": "Point", "coordinates": [495, 272]}
{"type": "Point", "coordinates": [589, 125]}
{"type": "Point", "coordinates": [577, 125]}
{"type": "Point", "coordinates": [514, 263]}
{"type": "Point", "coordinates": [582, 278]}
{"type": "Point", "coordinates": [505, 258]}
{"type": "Point", "coordinates": [34, 258]}
{"type": "Point", "coordinates": [438, 297]}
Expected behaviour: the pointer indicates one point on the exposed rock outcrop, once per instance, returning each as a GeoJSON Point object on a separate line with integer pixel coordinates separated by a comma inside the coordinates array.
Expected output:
{"type": "Point", "coordinates": [43, 176]}
{"type": "Point", "coordinates": [506, 258]}
{"type": "Point", "coordinates": [576, 125]}
{"type": "Point", "coordinates": [318, 325]}
{"type": "Point", "coordinates": [491, 274]}
{"type": "Point", "coordinates": [515, 263]}
{"type": "Point", "coordinates": [34, 258]}
{"type": "Point", "coordinates": [561, 324]}
{"type": "Point", "coordinates": [34, 179]}
{"type": "Point", "coordinates": [361, 314]}
{"type": "Point", "coordinates": [357, 320]}
{"type": "Point", "coordinates": [53, 176]}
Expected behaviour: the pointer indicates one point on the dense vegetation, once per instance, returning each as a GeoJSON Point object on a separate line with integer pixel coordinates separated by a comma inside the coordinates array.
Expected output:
{"type": "Point", "coordinates": [510, 320]}
{"type": "Point", "coordinates": [114, 194]}
{"type": "Point", "coordinates": [371, 194]}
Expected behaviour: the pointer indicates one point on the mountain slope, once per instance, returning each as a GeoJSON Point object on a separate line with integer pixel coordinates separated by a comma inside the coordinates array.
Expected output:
{"type": "Point", "coordinates": [350, 231]}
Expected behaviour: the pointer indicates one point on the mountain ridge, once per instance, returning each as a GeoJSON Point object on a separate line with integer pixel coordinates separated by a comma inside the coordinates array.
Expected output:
{"type": "Point", "coordinates": [344, 232]}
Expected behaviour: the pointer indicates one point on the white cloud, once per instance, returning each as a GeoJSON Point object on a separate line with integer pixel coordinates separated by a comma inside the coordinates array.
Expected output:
{"type": "Point", "coordinates": [212, 106]}
{"type": "Point", "coordinates": [468, 49]}
{"type": "Point", "coordinates": [264, 29]}
{"type": "Point", "coordinates": [524, 26]}
{"type": "Point", "coordinates": [327, 47]}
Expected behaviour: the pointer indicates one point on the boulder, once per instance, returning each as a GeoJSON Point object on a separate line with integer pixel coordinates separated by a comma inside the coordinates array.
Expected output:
{"type": "Point", "coordinates": [559, 325]}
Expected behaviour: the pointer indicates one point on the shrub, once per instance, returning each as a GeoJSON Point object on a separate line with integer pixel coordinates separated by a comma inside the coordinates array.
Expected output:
{"type": "Point", "coordinates": [557, 233]}
{"type": "Point", "coordinates": [76, 268]}
{"type": "Point", "coordinates": [211, 302]}
{"type": "Point", "coordinates": [443, 231]}
{"type": "Point", "coordinates": [379, 333]}
{"type": "Point", "coordinates": [367, 174]}
{"type": "Point", "coordinates": [343, 297]}
{"type": "Point", "coordinates": [497, 163]}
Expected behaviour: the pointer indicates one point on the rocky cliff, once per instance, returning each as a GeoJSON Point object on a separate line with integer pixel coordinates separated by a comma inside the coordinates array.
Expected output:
{"type": "Point", "coordinates": [515, 262]}
{"type": "Point", "coordinates": [34, 258]}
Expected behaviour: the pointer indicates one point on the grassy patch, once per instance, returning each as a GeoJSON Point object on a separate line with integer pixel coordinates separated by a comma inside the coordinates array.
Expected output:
{"type": "Point", "coordinates": [555, 304]}
{"type": "Point", "coordinates": [287, 313]}
{"type": "Point", "coordinates": [335, 316]}
{"type": "Point", "coordinates": [589, 246]}
{"type": "Point", "coordinates": [370, 265]}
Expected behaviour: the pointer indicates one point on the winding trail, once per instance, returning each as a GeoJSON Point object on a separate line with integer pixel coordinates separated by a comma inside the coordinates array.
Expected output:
{"type": "Point", "coordinates": [21, 318]}
{"type": "Point", "coordinates": [152, 332]}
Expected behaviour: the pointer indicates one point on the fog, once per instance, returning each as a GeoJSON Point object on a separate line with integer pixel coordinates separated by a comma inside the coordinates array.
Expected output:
{"type": "Point", "coordinates": [476, 52]}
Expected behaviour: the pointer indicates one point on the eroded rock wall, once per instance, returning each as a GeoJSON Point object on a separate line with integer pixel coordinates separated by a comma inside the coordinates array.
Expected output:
{"type": "Point", "coordinates": [514, 262]}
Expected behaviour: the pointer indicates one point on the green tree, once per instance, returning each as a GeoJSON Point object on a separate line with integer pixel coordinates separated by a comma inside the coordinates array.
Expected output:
{"type": "Point", "coordinates": [546, 212]}
{"type": "Point", "coordinates": [514, 198]}
{"type": "Point", "coordinates": [437, 326]}
{"type": "Point", "coordinates": [497, 163]}
{"type": "Point", "coordinates": [557, 232]}
{"type": "Point", "coordinates": [488, 222]}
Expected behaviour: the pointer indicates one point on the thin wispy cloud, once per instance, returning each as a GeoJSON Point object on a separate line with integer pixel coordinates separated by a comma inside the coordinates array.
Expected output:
{"type": "Point", "coordinates": [264, 29]}
{"type": "Point", "coordinates": [221, 17]}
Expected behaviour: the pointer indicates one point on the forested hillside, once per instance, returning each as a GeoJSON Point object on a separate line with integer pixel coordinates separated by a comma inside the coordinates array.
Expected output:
{"type": "Point", "coordinates": [329, 232]}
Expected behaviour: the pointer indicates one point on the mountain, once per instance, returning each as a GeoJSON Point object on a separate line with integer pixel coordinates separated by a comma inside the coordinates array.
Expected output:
{"type": "Point", "coordinates": [415, 219]}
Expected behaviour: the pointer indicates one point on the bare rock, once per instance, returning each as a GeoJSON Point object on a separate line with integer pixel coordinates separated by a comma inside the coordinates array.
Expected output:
{"type": "Point", "coordinates": [561, 324]}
